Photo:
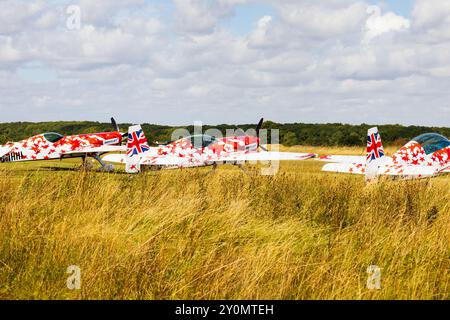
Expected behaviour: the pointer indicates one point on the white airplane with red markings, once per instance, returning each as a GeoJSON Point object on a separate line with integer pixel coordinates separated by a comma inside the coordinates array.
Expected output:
{"type": "Point", "coordinates": [427, 155]}
{"type": "Point", "coordinates": [52, 146]}
{"type": "Point", "coordinates": [196, 151]}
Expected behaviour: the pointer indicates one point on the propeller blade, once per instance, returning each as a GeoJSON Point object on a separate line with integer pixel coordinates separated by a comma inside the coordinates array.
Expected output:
{"type": "Point", "coordinates": [258, 129]}
{"type": "Point", "coordinates": [259, 126]}
{"type": "Point", "coordinates": [114, 124]}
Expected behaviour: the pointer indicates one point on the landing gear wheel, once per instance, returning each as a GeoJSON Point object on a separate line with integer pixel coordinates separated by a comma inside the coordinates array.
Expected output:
{"type": "Point", "coordinates": [106, 168]}
{"type": "Point", "coordinates": [86, 166]}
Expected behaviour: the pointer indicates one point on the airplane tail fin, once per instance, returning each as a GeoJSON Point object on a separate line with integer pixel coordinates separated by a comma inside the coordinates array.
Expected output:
{"type": "Point", "coordinates": [375, 153]}
{"type": "Point", "coordinates": [137, 145]}
{"type": "Point", "coordinates": [3, 150]}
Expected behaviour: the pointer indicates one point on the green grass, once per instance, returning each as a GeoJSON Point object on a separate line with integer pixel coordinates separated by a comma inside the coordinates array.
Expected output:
{"type": "Point", "coordinates": [228, 234]}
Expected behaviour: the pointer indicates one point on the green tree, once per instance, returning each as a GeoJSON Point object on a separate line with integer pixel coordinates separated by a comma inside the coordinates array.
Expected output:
{"type": "Point", "coordinates": [3, 139]}
{"type": "Point", "coordinates": [290, 139]}
{"type": "Point", "coordinates": [337, 138]}
{"type": "Point", "coordinates": [353, 139]}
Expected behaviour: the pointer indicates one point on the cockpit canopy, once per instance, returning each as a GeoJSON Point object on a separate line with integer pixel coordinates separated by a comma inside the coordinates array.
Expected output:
{"type": "Point", "coordinates": [201, 140]}
{"type": "Point", "coordinates": [53, 137]}
{"type": "Point", "coordinates": [432, 142]}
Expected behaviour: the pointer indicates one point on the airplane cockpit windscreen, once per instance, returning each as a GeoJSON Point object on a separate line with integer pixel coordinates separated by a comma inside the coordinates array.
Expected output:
{"type": "Point", "coordinates": [432, 142]}
{"type": "Point", "coordinates": [53, 137]}
{"type": "Point", "coordinates": [201, 141]}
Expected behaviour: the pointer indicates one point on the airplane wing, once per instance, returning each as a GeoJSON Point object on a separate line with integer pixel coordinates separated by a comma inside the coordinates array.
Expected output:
{"type": "Point", "coordinates": [445, 170]}
{"type": "Point", "coordinates": [343, 159]}
{"type": "Point", "coordinates": [408, 171]}
{"type": "Point", "coordinates": [405, 171]}
{"type": "Point", "coordinates": [174, 161]}
{"type": "Point", "coordinates": [166, 161]}
{"type": "Point", "coordinates": [267, 156]}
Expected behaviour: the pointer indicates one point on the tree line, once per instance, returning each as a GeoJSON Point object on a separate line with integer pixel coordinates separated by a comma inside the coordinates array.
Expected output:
{"type": "Point", "coordinates": [330, 134]}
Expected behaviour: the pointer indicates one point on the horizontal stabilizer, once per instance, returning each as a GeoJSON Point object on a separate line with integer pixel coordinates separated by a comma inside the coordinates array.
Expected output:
{"type": "Point", "coordinates": [115, 158]}
{"type": "Point", "coordinates": [355, 168]}
{"type": "Point", "coordinates": [343, 159]}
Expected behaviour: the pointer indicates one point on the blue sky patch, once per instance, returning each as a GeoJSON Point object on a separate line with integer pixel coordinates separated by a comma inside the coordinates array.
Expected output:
{"type": "Point", "coordinates": [246, 16]}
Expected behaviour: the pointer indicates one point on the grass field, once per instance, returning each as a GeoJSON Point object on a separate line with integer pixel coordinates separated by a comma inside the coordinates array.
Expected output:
{"type": "Point", "coordinates": [228, 234]}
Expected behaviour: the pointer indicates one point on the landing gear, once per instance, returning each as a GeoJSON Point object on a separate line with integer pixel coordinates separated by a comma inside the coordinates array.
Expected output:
{"type": "Point", "coordinates": [213, 168]}
{"type": "Point", "coordinates": [89, 166]}
{"type": "Point", "coordinates": [104, 167]}
{"type": "Point", "coordinates": [86, 165]}
{"type": "Point", "coordinates": [249, 170]}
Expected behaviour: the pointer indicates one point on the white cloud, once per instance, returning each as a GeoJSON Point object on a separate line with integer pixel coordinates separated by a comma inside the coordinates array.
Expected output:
{"type": "Point", "coordinates": [323, 19]}
{"type": "Point", "coordinates": [202, 16]}
{"type": "Point", "coordinates": [7, 51]}
{"type": "Point", "coordinates": [378, 24]}
{"type": "Point", "coordinates": [329, 60]}
{"type": "Point", "coordinates": [431, 13]}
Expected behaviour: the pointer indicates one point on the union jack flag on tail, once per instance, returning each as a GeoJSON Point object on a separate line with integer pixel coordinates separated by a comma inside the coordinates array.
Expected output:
{"type": "Point", "coordinates": [375, 153]}
{"type": "Point", "coordinates": [374, 146]}
{"type": "Point", "coordinates": [137, 145]}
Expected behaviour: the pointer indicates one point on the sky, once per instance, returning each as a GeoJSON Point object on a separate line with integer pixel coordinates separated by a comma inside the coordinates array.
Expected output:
{"type": "Point", "coordinates": [226, 61]}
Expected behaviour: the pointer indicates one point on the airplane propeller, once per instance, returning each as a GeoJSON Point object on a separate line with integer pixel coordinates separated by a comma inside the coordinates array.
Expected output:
{"type": "Point", "coordinates": [259, 126]}
{"type": "Point", "coordinates": [258, 130]}
{"type": "Point", "coordinates": [116, 128]}
{"type": "Point", "coordinates": [115, 125]}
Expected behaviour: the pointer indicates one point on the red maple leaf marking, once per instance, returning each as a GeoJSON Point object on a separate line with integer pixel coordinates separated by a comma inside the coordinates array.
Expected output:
{"type": "Point", "coordinates": [94, 141]}
{"type": "Point", "coordinates": [162, 152]}
{"type": "Point", "coordinates": [36, 149]}
{"type": "Point", "coordinates": [74, 144]}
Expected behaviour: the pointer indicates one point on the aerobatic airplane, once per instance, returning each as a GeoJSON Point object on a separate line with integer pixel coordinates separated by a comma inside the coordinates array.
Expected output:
{"type": "Point", "coordinates": [196, 151]}
{"type": "Point", "coordinates": [51, 146]}
{"type": "Point", "coordinates": [427, 155]}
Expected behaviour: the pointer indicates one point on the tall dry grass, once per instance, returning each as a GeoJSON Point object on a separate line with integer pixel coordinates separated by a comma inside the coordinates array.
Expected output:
{"type": "Point", "coordinates": [192, 234]}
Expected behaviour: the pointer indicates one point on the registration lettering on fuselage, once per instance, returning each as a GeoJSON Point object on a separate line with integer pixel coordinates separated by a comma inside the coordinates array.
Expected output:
{"type": "Point", "coordinates": [12, 156]}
